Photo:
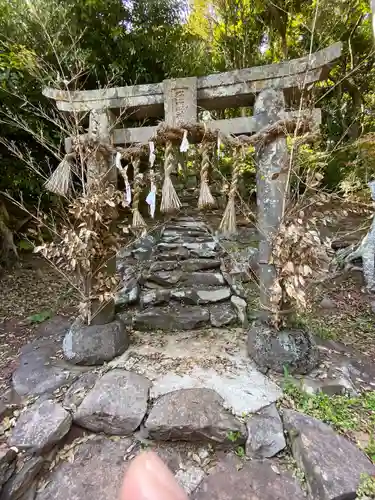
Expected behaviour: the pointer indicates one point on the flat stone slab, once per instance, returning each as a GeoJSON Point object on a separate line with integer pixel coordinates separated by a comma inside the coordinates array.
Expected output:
{"type": "Point", "coordinates": [332, 464]}
{"type": "Point", "coordinates": [194, 415]}
{"type": "Point", "coordinates": [201, 295]}
{"type": "Point", "coordinates": [176, 318]}
{"type": "Point", "coordinates": [155, 297]}
{"type": "Point", "coordinates": [244, 390]}
{"type": "Point", "coordinates": [187, 266]}
{"type": "Point", "coordinates": [265, 434]}
{"type": "Point", "coordinates": [213, 359]}
{"type": "Point", "coordinates": [40, 427]}
{"type": "Point", "coordinates": [233, 479]}
{"type": "Point", "coordinates": [95, 473]}
{"type": "Point", "coordinates": [116, 404]}
{"type": "Point", "coordinates": [40, 371]}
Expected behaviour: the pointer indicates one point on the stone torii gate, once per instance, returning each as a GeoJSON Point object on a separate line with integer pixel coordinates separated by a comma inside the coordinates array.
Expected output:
{"type": "Point", "coordinates": [269, 89]}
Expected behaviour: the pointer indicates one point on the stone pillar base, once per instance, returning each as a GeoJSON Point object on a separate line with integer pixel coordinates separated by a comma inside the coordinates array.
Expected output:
{"type": "Point", "coordinates": [293, 350]}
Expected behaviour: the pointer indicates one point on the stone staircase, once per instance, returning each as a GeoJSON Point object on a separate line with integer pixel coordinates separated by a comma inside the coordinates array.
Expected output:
{"type": "Point", "coordinates": [174, 281]}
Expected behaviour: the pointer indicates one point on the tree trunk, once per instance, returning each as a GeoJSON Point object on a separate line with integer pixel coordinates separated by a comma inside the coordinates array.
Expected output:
{"type": "Point", "coordinates": [8, 250]}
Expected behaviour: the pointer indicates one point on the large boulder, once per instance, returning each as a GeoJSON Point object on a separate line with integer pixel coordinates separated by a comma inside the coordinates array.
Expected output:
{"type": "Point", "coordinates": [332, 464]}
{"type": "Point", "coordinates": [95, 344]}
{"type": "Point", "coordinates": [40, 427]}
{"type": "Point", "coordinates": [194, 415]}
{"type": "Point", "coordinates": [116, 404]}
{"type": "Point", "coordinates": [265, 434]}
{"type": "Point", "coordinates": [294, 350]}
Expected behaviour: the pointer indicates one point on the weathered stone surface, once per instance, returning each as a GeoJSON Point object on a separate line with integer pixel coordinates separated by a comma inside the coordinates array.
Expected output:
{"type": "Point", "coordinates": [78, 391]}
{"type": "Point", "coordinates": [40, 427]}
{"type": "Point", "coordinates": [222, 315]}
{"type": "Point", "coordinates": [183, 231]}
{"type": "Point", "coordinates": [127, 297]}
{"type": "Point", "coordinates": [265, 434]}
{"type": "Point", "coordinates": [190, 478]}
{"type": "Point", "coordinates": [179, 253]}
{"type": "Point", "coordinates": [95, 344]}
{"type": "Point", "coordinates": [155, 297]}
{"type": "Point", "coordinates": [144, 248]}
{"type": "Point", "coordinates": [39, 370]}
{"type": "Point", "coordinates": [171, 278]}
{"type": "Point", "coordinates": [166, 278]}
{"type": "Point", "coordinates": [329, 386]}
{"type": "Point", "coordinates": [275, 350]}
{"type": "Point", "coordinates": [200, 296]}
{"type": "Point", "coordinates": [116, 404]}
{"type": "Point", "coordinates": [241, 308]}
{"type": "Point", "coordinates": [189, 266]}
{"type": "Point", "coordinates": [213, 295]}
{"type": "Point", "coordinates": [193, 415]}
{"type": "Point", "coordinates": [202, 250]}
{"type": "Point", "coordinates": [241, 264]}
{"type": "Point", "coordinates": [7, 463]}
{"type": "Point", "coordinates": [22, 480]}
{"type": "Point", "coordinates": [176, 318]}
{"type": "Point", "coordinates": [331, 463]}
{"type": "Point", "coordinates": [233, 479]}
{"type": "Point", "coordinates": [96, 472]}
{"type": "Point", "coordinates": [204, 278]}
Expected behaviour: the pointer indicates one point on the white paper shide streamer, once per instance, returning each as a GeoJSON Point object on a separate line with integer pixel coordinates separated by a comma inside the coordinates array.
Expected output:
{"type": "Point", "coordinates": [184, 147]}
{"type": "Point", "coordinates": [151, 197]}
{"type": "Point", "coordinates": [124, 173]}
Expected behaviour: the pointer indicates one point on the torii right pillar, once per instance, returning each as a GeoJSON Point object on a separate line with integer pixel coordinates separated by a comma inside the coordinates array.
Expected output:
{"type": "Point", "coordinates": [279, 350]}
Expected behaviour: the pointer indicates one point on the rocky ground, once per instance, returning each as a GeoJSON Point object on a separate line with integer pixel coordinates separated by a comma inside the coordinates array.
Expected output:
{"type": "Point", "coordinates": [226, 430]}
{"type": "Point", "coordinates": [196, 399]}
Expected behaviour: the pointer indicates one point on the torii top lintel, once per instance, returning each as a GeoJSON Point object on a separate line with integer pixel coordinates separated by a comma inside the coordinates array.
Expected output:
{"type": "Point", "coordinates": [216, 91]}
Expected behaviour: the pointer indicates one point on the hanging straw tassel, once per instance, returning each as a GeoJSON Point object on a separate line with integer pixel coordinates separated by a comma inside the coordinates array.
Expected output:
{"type": "Point", "coordinates": [138, 221]}
{"type": "Point", "coordinates": [61, 179]}
{"type": "Point", "coordinates": [228, 224]}
{"type": "Point", "coordinates": [169, 199]}
{"type": "Point", "coordinates": [206, 200]}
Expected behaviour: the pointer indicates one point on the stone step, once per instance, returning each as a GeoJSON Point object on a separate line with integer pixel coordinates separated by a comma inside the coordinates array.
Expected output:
{"type": "Point", "coordinates": [204, 250]}
{"type": "Point", "coordinates": [190, 265]}
{"type": "Point", "coordinates": [191, 296]}
{"type": "Point", "coordinates": [181, 239]}
{"type": "Point", "coordinates": [187, 224]}
{"type": "Point", "coordinates": [185, 233]}
{"type": "Point", "coordinates": [176, 317]}
{"type": "Point", "coordinates": [172, 318]}
{"type": "Point", "coordinates": [178, 277]}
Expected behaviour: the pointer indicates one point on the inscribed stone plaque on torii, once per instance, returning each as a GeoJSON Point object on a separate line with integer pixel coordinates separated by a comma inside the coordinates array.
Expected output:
{"type": "Point", "coordinates": [180, 101]}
